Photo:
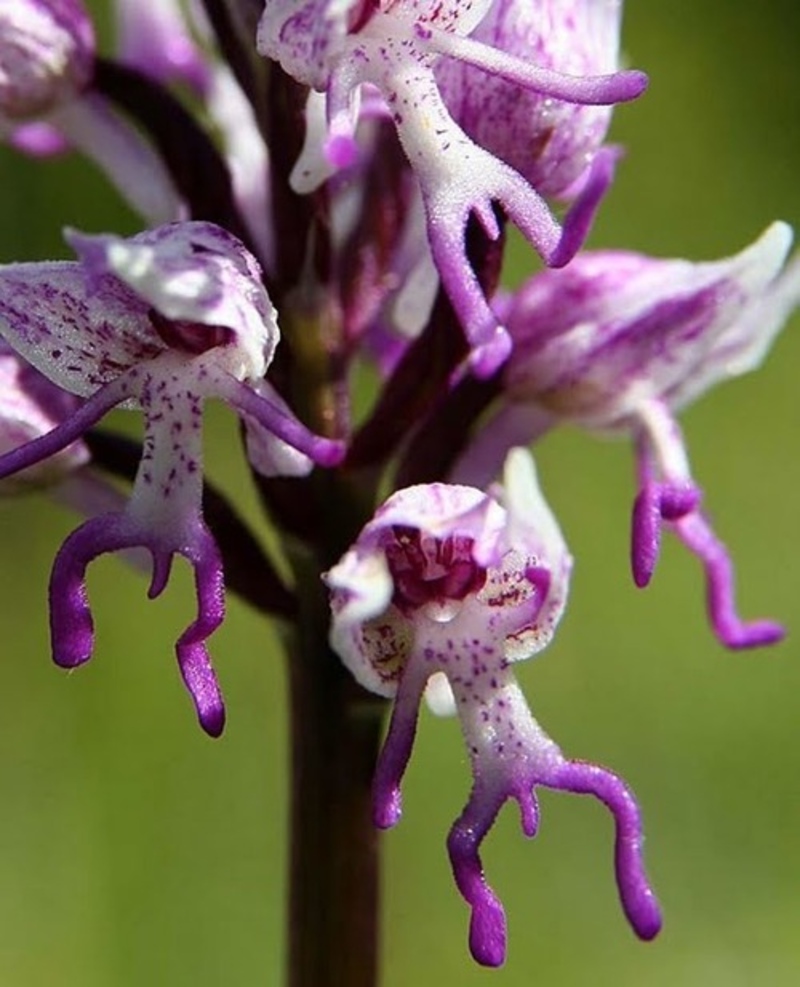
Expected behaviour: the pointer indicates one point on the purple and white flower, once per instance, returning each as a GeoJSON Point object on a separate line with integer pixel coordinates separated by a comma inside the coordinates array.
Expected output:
{"type": "Point", "coordinates": [618, 343]}
{"type": "Point", "coordinates": [447, 581]}
{"type": "Point", "coordinates": [392, 49]}
{"type": "Point", "coordinates": [161, 322]}
{"type": "Point", "coordinates": [47, 53]}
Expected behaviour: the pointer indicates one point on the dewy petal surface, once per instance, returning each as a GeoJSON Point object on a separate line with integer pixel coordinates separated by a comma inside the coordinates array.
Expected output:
{"type": "Point", "coordinates": [447, 581]}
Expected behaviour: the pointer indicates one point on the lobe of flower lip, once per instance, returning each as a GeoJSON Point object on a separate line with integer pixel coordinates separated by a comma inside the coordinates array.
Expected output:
{"type": "Point", "coordinates": [161, 322]}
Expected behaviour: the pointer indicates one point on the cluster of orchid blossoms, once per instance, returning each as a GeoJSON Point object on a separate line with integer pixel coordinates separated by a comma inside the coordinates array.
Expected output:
{"type": "Point", "coordinates": [346, 169]}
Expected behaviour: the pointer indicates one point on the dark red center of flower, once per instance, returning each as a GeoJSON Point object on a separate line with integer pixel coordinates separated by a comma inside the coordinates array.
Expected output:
{"type": "Point", "coordinates": [425, 569]}
{"type": "Point", "coordinates": [190, 337]}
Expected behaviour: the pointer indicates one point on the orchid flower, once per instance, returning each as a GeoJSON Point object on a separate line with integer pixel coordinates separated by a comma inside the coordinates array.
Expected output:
{"type": "Point", "coordinates": [161, 322]}
{"type": "Point", "coordinates": [618, 343]}
{"type": "Point", "coordinates": [47, 52]}
{"type": "Point", "coordinates": [339, 47]}
{"type": "Point", "coordinates": [448, 581]}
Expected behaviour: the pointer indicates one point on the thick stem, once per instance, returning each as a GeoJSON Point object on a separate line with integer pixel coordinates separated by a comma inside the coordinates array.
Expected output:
{"type": "Point", "coordinates": [333, 929]}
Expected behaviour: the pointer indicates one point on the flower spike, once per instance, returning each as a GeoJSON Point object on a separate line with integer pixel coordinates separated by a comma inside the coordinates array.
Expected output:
{"type": "Point", "coordinates": [162, 321]}
{"type": "Point", "coordinates": [449, 581]}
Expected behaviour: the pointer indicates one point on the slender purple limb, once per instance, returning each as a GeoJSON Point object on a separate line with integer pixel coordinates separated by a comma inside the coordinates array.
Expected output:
{"type": "Point", "coordinates": [593, 90]}
{"type": "Point", "coordinates": [324, 452]}
{"type": "Point", "coordinates": [387, 800]}
{"type": "Point", "coordinates": [637, 898]}
{"type": "Point", "coordinates": [579, 219]}
{"type": "Point", "coordinates": [193, 659]}
{"type": "Point", "coordinates": [656, 502]}
{"type": "Point", "coordinates": [696, 533]}
{"type": "Point", "coordinates": [59, 438]}
{"type": "Point", "coordinates": [71, 623]}
{"type": "Point", "coordinates": [487, 926]}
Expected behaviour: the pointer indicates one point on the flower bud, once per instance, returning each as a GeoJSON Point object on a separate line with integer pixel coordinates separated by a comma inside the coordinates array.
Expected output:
{"type": "Point", "coordinates": [46, 55]}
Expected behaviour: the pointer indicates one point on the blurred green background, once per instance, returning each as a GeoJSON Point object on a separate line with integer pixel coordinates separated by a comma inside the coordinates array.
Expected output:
{"type": "Point", "coordinates": [133, 850]}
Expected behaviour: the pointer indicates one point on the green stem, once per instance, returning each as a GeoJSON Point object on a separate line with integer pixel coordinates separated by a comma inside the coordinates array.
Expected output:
{"type": "Point", "coordinates": [334, 867]}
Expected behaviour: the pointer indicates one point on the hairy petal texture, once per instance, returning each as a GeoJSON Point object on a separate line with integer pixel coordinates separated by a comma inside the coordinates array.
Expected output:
{"type": "Point", "coordinates": [618, 343]}
{"type": "Point", "coordinates": [451, 585]}
{"type": "Point", "coordinates": [162, 322]}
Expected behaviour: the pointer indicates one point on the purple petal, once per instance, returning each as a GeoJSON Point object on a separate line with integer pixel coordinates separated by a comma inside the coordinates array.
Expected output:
{"type": "Point", "coordinates": [578, 221]}
{"type": "Point", "coordinates": [698, 536]}
{"type": "Point", "coordinates": [487, 928]}
{"type": "Point", "coordinates": [193, 659]}
{"type": "Point", "coordinates": [387, 800]}
{"type": "Point", "coordinates": [71, 624]}
{"type": "Point", "coordinates": [63, 435]}
{"type": "Point", "coordinates": [324, 452]}
{"type": "Point", "coordinates": [637, 898]}
{"type": "Point", "coordinates": [656, 502]}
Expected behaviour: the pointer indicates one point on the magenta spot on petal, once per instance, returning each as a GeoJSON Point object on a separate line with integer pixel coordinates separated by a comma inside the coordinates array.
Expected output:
{"type": "Point", "coordinates": [341, 151]}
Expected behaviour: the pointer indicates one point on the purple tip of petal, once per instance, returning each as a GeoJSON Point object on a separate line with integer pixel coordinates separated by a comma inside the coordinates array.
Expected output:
{"type": "Point", "coordinates": [529, 813]}
{"type": "Point", "coordinates": [487, 931]}
{"type": "Point", "coordinates": [487, 358]}
{"type": "Point", "coordinates": [162, 566]}
{"type": "Point", "coordinates": [645, 536]}
{"type": "Point", "coordinates": [387, 806]}
{"type": "Point", "coordinates": [39, 140]}
{"type": "Point", "coordinates": [637, 898]}
{"type": "Point", "coordinates": [656, 502]}
{"type": "Point", "coordinates": [676, 502]}
{"type": "Point", "coordinates": [629, 84]}
{"type": "Point", "coordinates": [579, 219]}
{"type": "Point", "coordinates": [193, 660]}
{"type": "Point", "coordinates": [341, 151]}
{"type": "Point", "coordinates": [755, 634]}
{"type": "Point", "coordinates": [200, 680]}
{"type": "Point", "coordinates": [71, 624]}
{"type": "Point", "coordinates": [698, 536]}
{"type": "Point", "coordinates": [327, 452]}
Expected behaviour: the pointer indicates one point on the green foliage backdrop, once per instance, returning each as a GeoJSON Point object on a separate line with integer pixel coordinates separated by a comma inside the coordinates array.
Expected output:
{"type": "Point", "coordinates": [134, 850]}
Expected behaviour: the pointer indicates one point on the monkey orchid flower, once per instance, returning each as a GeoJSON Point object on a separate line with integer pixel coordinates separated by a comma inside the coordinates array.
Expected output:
{"type": "Point", "coordinates": [449, 581]}
{"type": "Point", "coordinates": [618, 343]}
{"type": "Point", "coordinates": [392, 48]}
{"type": "Point", "coordinates": [160, 322]}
